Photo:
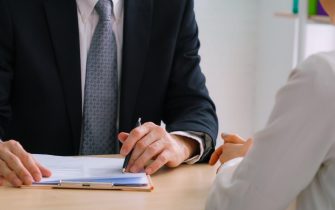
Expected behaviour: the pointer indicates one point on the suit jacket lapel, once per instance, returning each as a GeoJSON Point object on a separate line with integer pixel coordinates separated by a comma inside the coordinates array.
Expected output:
{"type": "Point", "coordinates": [137, 27]}
{"type": "Point", "coordinates": [63, 25]}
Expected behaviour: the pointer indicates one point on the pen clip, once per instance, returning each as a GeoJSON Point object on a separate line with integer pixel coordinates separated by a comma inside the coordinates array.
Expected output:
{"type": "Point", "coordinates": [139, 121]}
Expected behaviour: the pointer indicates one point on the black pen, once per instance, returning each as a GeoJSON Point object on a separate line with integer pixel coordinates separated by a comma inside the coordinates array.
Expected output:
{"type": "Point", "coordinates": [126, 160]}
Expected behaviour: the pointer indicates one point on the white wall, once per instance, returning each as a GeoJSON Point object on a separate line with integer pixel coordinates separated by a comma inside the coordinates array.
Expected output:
{"type": "Point", "coordinates": [248, 54]}
{"type": "Point", "coordinates": [275, 57]}
{"type": "Point", "coordinates": [228, 36]}
{"type": "Point", "coordinates": [319, 37]}
{"type": "Point", "coordinates": [276, 53]}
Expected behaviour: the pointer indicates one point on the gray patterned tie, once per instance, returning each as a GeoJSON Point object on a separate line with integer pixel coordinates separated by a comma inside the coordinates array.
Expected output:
{"type": "Point", "coordinates": [101, 88]}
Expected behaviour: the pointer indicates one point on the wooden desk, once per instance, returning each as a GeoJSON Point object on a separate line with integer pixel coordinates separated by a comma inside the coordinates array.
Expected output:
{"type": "Point", "coordinates": [182, 188]}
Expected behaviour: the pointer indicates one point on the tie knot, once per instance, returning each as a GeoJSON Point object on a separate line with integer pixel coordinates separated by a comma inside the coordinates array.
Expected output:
{"type": "Point", "coordinates": [104, 8]}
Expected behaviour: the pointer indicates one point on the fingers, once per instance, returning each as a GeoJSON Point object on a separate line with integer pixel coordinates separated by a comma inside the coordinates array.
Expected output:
{"type": "Point", "coordinates": [215, 156]}
{"type": "Point", "coordinates": [145, 149]}
{"type": "Point", "coordinates": [149, 142]}
{"type": "Point", "coordinates": [148, 154]}
{"type": "Point", "coordinates": [18, 166]}
{"type": "Point", "coordinates": [134, 136]}
{"type": "Point", "coordinates": [231, 151]}
{"type": "Point", "coordinates": [9, 175]}
{"type": "Point", "coordinates": [14, 164]}
{"type": "Point", "coordinates": [160, 161]}
{"type": "Point", "coordinates": [27, 161]}
{"type": "Point", "coordinates": [232, 138]}
{"type": "Point", "coordinates": [44, 171]}
{"type": "Point", "coordinates": [233, 147]}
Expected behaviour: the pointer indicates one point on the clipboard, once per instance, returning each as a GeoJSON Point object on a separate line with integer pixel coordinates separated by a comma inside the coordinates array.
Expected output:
{"type": "Point", "coordinates": [90, 173]}
{"type": "Point", "coordinates": [98, 184]}
{"type": "Point", "coordinates": [103, 184]}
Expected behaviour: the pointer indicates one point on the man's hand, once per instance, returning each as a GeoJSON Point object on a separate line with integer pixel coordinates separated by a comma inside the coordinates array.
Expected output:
{"type": "Point", "coordinates": [152, 142]}
{"type": "Point", "coordinates": [19, 167]}
{"type": "Point", "coordinates": [234, 146]}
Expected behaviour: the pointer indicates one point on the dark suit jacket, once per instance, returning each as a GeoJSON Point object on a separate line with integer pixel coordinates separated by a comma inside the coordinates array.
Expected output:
{"type": "Point", "coordinates": [40, 82]}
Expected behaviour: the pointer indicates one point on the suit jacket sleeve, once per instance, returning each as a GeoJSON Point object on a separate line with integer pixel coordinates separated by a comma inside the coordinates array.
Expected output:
{"type": "Point", "coordinates": [188, 106]}
{"type": "Point", "coordinates": [6, 62]}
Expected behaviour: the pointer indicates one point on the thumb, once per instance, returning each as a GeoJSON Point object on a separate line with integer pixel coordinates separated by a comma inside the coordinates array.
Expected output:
{"type": "Point", "coordinates": [232, 138]}
{"type": "Point", "coordinates": [215, 156]}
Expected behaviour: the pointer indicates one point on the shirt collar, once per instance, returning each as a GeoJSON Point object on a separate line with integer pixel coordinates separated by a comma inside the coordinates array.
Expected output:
{"type": "Point", "coordinates": [86, 7]}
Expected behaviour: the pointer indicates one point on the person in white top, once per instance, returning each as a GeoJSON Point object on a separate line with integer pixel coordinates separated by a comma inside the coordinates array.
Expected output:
{"type": "Point", "coordinates": [294, 156]}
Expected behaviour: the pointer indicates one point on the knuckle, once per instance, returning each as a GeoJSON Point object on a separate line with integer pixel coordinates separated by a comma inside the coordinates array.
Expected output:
{"type": "Point", "coordinates": [21, 172]}
{"type": "Point", "coordinates": [131, 161]}
{"type": "Point", "coordinates": [169, 146]}
{"type": "Point", "coordinates": [141, 145]}
{"type": "Point", "coordinates": [152, 149]}
{"type": "Point", "coordinates": [160, 131]}
{"type": "Point", "coordinates": [10, 141]}
{"type": "Point", "coordinates": [136, 132]}
{"type": "Point", "coordinates": [13, 143]}
{"type": "Point", "coordinates": [12, 159]}
{"type": "Point", "coordinates": [150, 124]}
{"type": "Point", "coordinates": [126, 147]}
{"type": "Point", "coordinates": [3, 170]}
{"type": "Point", "coordinates": [10, 175]}
{"type": "Point", "coordinates": [26, 157]}
{"type": "Point", "coordinates": [30, 164]}
{"type": "Point", "coordinates": [163, 158]}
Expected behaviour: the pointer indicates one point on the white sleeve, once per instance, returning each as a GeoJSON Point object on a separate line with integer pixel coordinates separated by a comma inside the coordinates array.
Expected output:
{"type": "Point", "coordinates": [287, 154]}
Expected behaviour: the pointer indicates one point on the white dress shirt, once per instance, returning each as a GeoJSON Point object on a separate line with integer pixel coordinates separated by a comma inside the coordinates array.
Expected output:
{"type": "Point", "coordinates": [88, 19]}
{"type": "Point", "coordinates": [294, 156]}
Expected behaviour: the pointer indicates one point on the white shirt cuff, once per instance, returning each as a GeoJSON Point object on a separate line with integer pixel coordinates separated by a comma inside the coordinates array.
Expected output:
{"type": "Point", "coordinates": [230, 165]}
{"type": "Point", "coordinates": [197, 137]}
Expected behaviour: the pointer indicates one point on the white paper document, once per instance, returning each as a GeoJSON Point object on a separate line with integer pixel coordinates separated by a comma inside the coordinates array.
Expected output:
{"type": "Point", "coordinates": [86, 168]}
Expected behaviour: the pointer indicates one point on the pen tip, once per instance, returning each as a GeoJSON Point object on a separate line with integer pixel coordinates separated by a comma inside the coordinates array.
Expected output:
{"type": "Point", "coordinates": [123, 170]}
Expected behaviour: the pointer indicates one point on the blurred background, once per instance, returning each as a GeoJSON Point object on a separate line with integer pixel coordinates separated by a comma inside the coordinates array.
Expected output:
{"type": "Point", "coordinates": [249, 48]}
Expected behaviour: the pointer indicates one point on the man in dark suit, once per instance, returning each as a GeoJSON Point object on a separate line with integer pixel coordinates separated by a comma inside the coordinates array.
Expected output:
{"type": "Point", "coordinates": [46, 57]}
